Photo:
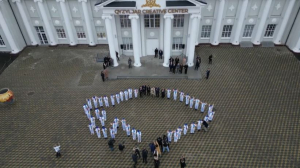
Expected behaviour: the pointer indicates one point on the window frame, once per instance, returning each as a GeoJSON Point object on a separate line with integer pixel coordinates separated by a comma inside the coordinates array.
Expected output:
{"type": "Point", "coordinates": [127, 43]}
{"type": "Point", "coordinates": [178, 20]}
{"type": "Point", "coordinates": [152, 21]}
{"type": "Point", "coordinates": [60, 31]}
{"type": "Point", "coordinates": [226, 32]}
{"type": "Point", "coordinates": [206, 31]}
{"type": "Point", "coordinates": [269, 30]}
{"type": "Point", "coordinates": [100, 31]}
{"type": "Point", "coordinates": [248, 30]}
{"type": "Point", "coordinates": [81, 35]}
{"type": "Point", "coordinates": [2, 43]}
{"type": "Point", "coordinates": [177, 43]}
{"type": "Point", "coordinates": [125, 22]}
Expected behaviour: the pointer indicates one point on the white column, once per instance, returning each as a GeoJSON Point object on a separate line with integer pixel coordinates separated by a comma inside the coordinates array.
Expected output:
{"type": "Point", "coordinates": [114, 26]}
{"type": "Point", "coordinates": [219, 23]}
{"type": "Point", "coordinates": [26, 22]}
{"type": "Point", "coordinates": [297, 47]}
{"type": "Point", "coordinates": [9, 37]}
{"type": "Point", "coordinates": [46, 22]}
{"type": "Point", "coordinates": [167, 39]}
{"type": "Point", "coordinates": [285, 19]}
{"type": "Point", "coordinates": [135, 40]}
{"type": "Point", "coordinates": [191, 47]}
{"type": "Point", "coordinates": [88, 22]}
{"type": "Point", "coordinates": [161, 32]}
{"type": "Point", "coordinates": [143, 36]}
{"type": "Point", "coordinates": [110, 38]}
{"type": "Point", "coordinates": [236, 37]}
{"type": "Point", "coordinates": [261, 25]}
{"type": "Point", "coordinates": [198, 29]}
{"type": "Point", "coordinates": [67, 22]}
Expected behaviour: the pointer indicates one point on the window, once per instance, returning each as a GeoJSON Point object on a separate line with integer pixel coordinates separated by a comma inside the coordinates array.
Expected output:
{"type": "Point", "coordinates": [152, 20]}
{"type": "Point", "coordinates": [127, 43]}
{"type": "Point", "coordinates": [248, 30]}
{"type": "Point", "coordinates": [80, 32]}
{"type": "Point", "coordinates": [270, 30]}
{"type": "Point", "coordinates": [100, 32]}
{"type": "Point", "coordinates": [2, 44]}
{"type": "Point", "coordinates": [177, 43]}
{"type": "Point", "coordinates": [178, 21]}
{"type": "Point", "coordinates": [205, 33]}
{"type": "Point", "coordinates": [60, 32]}
{"type": "Point", "coordinates": [125, 21]}
{"type": "Point", "coordinates": [227, 31]}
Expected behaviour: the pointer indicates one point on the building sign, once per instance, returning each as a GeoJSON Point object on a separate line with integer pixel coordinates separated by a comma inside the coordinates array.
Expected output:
{"type": "Point", "coordinates": [151, 11]}
{"type": "Point", "coordinates": [150, 3]}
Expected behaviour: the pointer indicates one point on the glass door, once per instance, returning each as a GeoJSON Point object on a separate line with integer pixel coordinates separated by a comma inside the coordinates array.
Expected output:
{"type": "Point", "coordinates": [41, 34]}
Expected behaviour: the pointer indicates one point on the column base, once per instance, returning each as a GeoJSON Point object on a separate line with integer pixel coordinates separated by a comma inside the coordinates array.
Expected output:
{"type": "Point", "coordinates": [137, 64]}
{"type": "Point", "coordinates": [256, 43]}
{"type": "Point", "coordinates": [215, 44]}
{"type": "Point", "coordinates": [235, 43]}
{"type": "Point", "coordinates": [116, 64]}
{"type": "Point", "coordinates": [92, 45]}
{"type": "Point", "coordinates": [296, 50]}
{"type": "Point", "coordinates": [190, 64]}
{"type": "Point", "coordinates": [277, 43]}
{"type": "Point", "coordinates": [15, 51]}
{"type": "Point", "coordinates": [165, 65]}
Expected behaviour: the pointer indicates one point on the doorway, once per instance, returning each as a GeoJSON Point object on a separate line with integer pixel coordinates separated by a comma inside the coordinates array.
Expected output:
{"type": "Point", "coordinates": [41, 34]}
{"type": "Point", "coordinates": [151, 45]}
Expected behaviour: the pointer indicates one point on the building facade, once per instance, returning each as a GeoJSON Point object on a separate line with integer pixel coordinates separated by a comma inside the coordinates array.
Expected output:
{"type": "Point", "coordinates": [137, 27]}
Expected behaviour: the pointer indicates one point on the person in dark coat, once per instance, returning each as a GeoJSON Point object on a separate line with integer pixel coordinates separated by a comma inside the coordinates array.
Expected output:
{"type": "Point", "coordinates": [152, 147]}
{"type": "Point", "coordinates": [156, 52]}
{"type": "Point", "coordinates": [173, 67]}
{"type": "Point", "coordinates": [170, 66]}
{"type": "Point", "coordinates": [159, 141]}
{"type": "Point", "coordinates": [117, 55]}
{"type": "Point", "coordinates": [186, 68]}
{"type": "Point", "coordinates": [197, 64]}
{"type": "Point", "coordinates": [134, 158]}
{"type": "Point", "coordinates": [144, 89]}
{"type": "Point", "coordinates": [176, 61]}
{"type": "Point", "coordinates": [163, 93]}
{"type": "Point", "coordinates": [205, 125]}
{"type": "Point", "coordinates": [129, 62]}
{"type": "Point", "coordinates": [182, 162]}
{"type": "Point", "coordinates": [144, 155]}
{"type": "Point", "coordinates": [181, 68]}
{"type": "Point", "coordinates": [121, 147]}
{"type": "Point", "coordinates": [148, 90]}
{"type": "Point", "coordinates": [157, 91]}
{"type": "Point", "coordinates": [104, 65]}
{"type": "Point", "coordinates": [160, 54]}
{"type": "Point", "coordinates": [102, 75]}
{"type": "Point", "coordinates": [210, 59]}
{"type": "Point", "coordinates": [207, 73]}
{"type": "Point", "coordinates": [141, 92]}
{"type": "Point", "coordinates": [111, 144]}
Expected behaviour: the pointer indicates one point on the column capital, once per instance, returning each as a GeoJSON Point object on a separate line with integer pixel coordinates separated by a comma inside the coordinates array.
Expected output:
{"type": "Point", "coordinates": [168, 15]}
{"type": "Point", "coordinates": [82, 1]}
{"type": "Point", "coordinates": [15, 1]}
{"type": "Point", "coordinates": [198, 16]}
{"type": "Point", "coordinates": [106, 16]}
{"type": "Point", "coordinates": [60, 1]}
{"type": "Point", "coordinates": [38, 1]}
{"type": "Point", "coordinates": [134, 16]}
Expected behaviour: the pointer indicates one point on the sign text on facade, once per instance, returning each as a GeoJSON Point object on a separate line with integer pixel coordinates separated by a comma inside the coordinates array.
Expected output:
{"type": "Point", "coordinates": [151, 11]}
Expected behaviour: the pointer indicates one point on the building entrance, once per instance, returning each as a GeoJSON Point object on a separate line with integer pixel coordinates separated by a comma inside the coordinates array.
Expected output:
{"type": "Point", "coordinates": [151, 44]}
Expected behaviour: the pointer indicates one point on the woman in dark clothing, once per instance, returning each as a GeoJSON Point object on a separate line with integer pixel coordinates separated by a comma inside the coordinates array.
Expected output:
{"type": "Point", "coordinates": [182, 162]}
{"type": "Point", "coordinates": [148, 90]}
{"type": "Point", "coordinates": [162, 93]}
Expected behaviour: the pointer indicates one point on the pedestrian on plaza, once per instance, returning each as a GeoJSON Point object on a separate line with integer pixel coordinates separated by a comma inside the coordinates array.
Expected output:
{"type": "Point", "coordinates": [197, 64]}
{"type": "Point", "coordinates": [148, 90]}
{"type": "Point", "coordinates": [134, 158]}
{"type": "Point", "coordinates": [111, 62]}
{"type": "Point", "coordinates": [145, 155]}
{"type": "Point", "coordinates": [152, 147]}
{"type": "Point", "coordinates": [182, 162]}
{"type": "Point", "coordinates": [163, 93]}
{"type": "Point", "coordinates": [117, 55]}
{"type": "Point", "coordinates": [102, 76]}
{"type": "Point", "coordinates": [185, 69]}
{"type": "Point", "coordinates": [159, 141]}
{"type": "Point", "coordinates": [144, 87]}
{"type": "Point", "coordinates": [184, 61]}
{"type": "Point", "coordinates": [137, 151]}
{"type": "Point", "coordinates": [157, 149]}
{"type": "Point", "coordinates": [156, 52]}
{"type": "Point", "coordinates": [156, 163]}
{"type": "Point", "coordinates": [160, 54]}
{"type": "Point", "coordinates": [104, 65]}
{"type": "Point", "coordinates": [170, 66]}
{"type": "Point", "coordinates": [177, 68]}
{"type": "Point", "coordinates": [181, 68]}
{"type": "Point", "coordinates": [171, 60]}
{"type": "Point", "coordinates": [57, 150]}
{"type": "Point", "coordinates": [205, 125]}
{"type": "Point", "coordinates": [157, 91]}
{"type": "Point", "coordinates": [141, 92]}
{"type": "Point", "coordinates": [105, 74]}
{"type": "Point", "coordinates": [173, 67]}
{"type": "Point", "coordinates": [129, 62]}
{"type": "Point", "coordinates": [207, 73]}
{"type": "Point", "coordinates": [210, 59]}
{"type": "Point", "coordinates": [111, 144]}
{"type": "Point", "coordinates": [176, 61]}
{"type": "Point", "coordinates": [121, 147]}
{"type": "Point", "coordinates": [165, 145]}
{"type": "Point", "coordinates": [152, 91]}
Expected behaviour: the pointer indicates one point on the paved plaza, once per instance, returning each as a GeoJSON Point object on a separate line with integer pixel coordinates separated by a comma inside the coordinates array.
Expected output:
{"type": "Point", "coordinates": [256, 92]}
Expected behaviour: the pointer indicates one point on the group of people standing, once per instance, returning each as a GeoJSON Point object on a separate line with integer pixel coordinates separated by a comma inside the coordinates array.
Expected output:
{"type": "Point", "coordinates": [158, 53]}
{"type": "Point", "coordinates": [175, 67]}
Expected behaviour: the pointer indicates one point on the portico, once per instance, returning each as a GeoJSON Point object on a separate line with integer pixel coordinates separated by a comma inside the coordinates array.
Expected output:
{"type": "Point", "coordinates": [142, 26]}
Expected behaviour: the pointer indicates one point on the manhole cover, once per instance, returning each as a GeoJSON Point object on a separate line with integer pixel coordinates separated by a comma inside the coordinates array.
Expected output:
{"type": "Point", "coordinates": [30, 93]}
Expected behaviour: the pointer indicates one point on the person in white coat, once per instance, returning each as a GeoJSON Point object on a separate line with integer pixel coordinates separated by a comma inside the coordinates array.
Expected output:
{"type": "Point", "coordinates": [89, 103]}
{"type": "Point", "coordinates": [168, 93]}
{"type": "Point", "coordinates": [181, 97]}
{"type": "Point", "coordinates": [105, 98]}
{"type": "Point", "coordinates": [121, 95]}
{"type": "Point", "coordinates": [203, 107]}
{"type": "Point", "coordinates": [95, 100]}
{"type": "Point", "coordinates": [112, 99]}
{"type": "Point", "coordinates": [101, 119]}
{"type": "Point", "coordinates": [136, 93]}
{"type": "Point", "coordinates": [126, 95]}
{"type": "Point", "coordinates": [91, 129]}
{"type": "Point", "coordinates": [175, 92]}
{"type": "Point", "coordinates": [97, 112]}
{"type": "Point", "coordinates": [86, 109]}
{"type": "Point", "coordinates": [169, 134]}
{"type": "Point", "coordinates": [210, 108]}
{"type": "Point", "coordinates": [104, 131]}
{"type": "Point", "coordinates": [128, 130]}
{"type": "Point", "coordinates": [187, 99]}
{"type": "Point", "coordinates": [197, 101]}
{"type": "Point", "coordinates": [193, 126]}
{"type": "Point", "coordinates": [175, 135]}
{"type": "Point", "coordinates": [139, 135]}
{"type": "Point", "coordinates": [191, 102]}
{"type": "Point", "coordinates": [185, 129]}
{"type": "Point", "coordinates": [211, 116]}
{"type": "Point", "coordinates": [98, 132]}
{"type": "Point", "coordinates": [112, 133]}
{"type": "Point", "coordinates": [130, 93]}
{"type": "Point", "coordinates": [199, 125]}
{"type": "Point", "coordinates": [93, 122]}
{"type": "Point", "coordinates": [123, 124]}
{"type": "Point", "coordinates": [179, 130]}
{"type": "Point", "coordinates": [104, 114]}
{"type": "Point", "coordinates": [100, 100]}
{"type": "Point", "coordinates": [133, 131]}
{"type": "Point", "coordinates": [118, 98]}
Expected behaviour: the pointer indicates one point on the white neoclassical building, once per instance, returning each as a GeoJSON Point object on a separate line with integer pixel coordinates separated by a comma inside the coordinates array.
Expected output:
{"type": "Point", "coordinates": [137, 27]}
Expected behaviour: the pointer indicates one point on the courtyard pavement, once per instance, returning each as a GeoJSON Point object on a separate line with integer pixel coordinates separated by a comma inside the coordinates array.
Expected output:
{"type": "Point", "coordinates": [256, 92]}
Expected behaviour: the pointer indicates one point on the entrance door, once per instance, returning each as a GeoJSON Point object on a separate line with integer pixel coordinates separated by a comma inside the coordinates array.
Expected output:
{"type": "Point", "coordinates": [151, 45]}
{"type": "Point", "coordinates": [41, 34]}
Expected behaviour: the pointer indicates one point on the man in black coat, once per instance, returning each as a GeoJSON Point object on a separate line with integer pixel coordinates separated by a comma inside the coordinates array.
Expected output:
{"type": "Point", "coordinates": [157, 91]}
{"type": "Point", "coordinates": [148, 90]}
{"type": "Point", "coordinates": [207, 73]}
{"type": "Point", "coordinates": [210, 59]}
{"type": "Point", "coordinates": [144, 155]}
{"type": "Point", "coordinates": [141, 92]}
{"type": "Point", "coordinates": [160, 54]}
{"type": "Point", "coordinates": [144, 89]}
{"type": "Point", "coordinates": [159, 141]}
{"type": "Point", "coordinates": [205, 125]}
{"type": "Point", "coordinates": [156, 52]}
{"type": "Point", "coordinates": [134, 158]}
{"type": "Point", "coordinates": [185, 69]}
{"type": "Point", "coordinates": [197, 64]}
{"type": "Point", "coordinates": [102, 75]}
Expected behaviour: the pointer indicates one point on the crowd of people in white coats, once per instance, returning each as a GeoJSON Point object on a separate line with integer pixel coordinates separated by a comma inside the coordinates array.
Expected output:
{"type": "Point", "coordinates": [101, 102]}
